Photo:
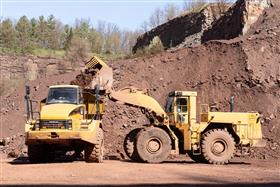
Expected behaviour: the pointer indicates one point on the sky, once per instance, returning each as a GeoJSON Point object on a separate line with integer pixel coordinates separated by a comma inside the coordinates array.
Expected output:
{"type": "Point", "coordinates": [127, 14]}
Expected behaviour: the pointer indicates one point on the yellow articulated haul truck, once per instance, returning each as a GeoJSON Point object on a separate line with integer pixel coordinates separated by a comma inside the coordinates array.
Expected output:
{"type": "Point", "coordinates": [69, 119]}
{"type": "Point", "coordinates": [175, 130]}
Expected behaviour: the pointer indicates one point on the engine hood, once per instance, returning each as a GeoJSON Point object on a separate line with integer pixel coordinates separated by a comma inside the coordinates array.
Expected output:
{"type": "Point", "coordinates": [57, 111]}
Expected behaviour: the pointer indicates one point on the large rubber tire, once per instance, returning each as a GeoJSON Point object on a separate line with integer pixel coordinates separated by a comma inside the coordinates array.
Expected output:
{"type": "Point", "coordinates": [95, 152]}
{"type": "Point", "coordinates": [196, 158]}
{"type": "Point", "coordinates": [37, 154]}
{"type": "Point", "coordinates": [153, 145]}
{"type": "Point", "coordinates": [218, 146]}
{"type": "Point", "coordinates": [129, 145]}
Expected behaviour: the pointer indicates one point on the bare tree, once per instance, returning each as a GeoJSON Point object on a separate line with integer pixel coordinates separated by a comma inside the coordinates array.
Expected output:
{"type": "Point", "coordinates": [144, 27]}
{"type": "Point", "coordinates": [156, 18]}
{"type": "Point", "coordinates": [170, 11]}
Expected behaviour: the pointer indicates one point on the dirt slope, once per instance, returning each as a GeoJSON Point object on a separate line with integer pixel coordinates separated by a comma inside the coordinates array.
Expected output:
{"type": "Point", "coordinates": [217, 70]}
{"type": "Point", "coordinates": [247, 68]}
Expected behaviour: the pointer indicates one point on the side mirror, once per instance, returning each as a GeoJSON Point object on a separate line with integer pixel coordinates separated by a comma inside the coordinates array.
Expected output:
{"type": "Point", "coordinates": [231, 102]}
{"type": "Point", "coordinates": [27, 90]}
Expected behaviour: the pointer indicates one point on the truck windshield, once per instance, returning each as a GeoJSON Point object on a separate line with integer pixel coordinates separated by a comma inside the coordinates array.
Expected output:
{"type": "Point", "coordinates": [62, 95]}
{"type": "Point", "coordinates": [169, 104]}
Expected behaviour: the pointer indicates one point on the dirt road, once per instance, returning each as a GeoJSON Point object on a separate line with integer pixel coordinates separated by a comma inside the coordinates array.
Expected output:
{"type": "Point", "coordinates": [125, 173]}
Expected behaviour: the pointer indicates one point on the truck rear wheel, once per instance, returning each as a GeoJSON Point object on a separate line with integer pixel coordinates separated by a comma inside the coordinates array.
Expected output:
{"type": "Point", "coordinates": [153, 145]}
{"type": "Point", "coordinates": [129, 145]}
{"type": "Point", "coordinates": [218, 146]}
{"type": "Point", "coordinates": [37, 154]}
{"type": "Point", "coordinates": [95, 153]}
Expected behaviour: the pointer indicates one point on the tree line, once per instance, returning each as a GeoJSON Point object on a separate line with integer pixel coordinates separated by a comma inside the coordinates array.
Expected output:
{"type": "Point", "coordinates": [24, 35]}
{"type": "Point", "coordinates": [50, 33]}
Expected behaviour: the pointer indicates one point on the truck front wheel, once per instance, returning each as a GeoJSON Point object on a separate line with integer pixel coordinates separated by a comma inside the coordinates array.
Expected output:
{"type": "Point", "coordinates": [218, 146]}
{"type": "Point", "coordinates": [153, 145]}
{"type": "Point", "coordinates": [95, 152]}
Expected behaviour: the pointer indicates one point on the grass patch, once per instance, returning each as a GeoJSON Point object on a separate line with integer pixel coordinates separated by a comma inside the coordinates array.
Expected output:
{"type": "Point", "coordinates": [7, 85]}
{"type": "Point", "coordinates": [49, 53]}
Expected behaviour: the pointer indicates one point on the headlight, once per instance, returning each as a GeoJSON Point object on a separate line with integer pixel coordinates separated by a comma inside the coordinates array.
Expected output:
{"type": "Point", "coordinates": [37, 125]}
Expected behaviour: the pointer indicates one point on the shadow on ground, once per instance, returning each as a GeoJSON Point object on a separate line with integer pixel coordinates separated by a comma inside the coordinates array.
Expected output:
{"type": "Point", "coordinates": [24, 160]}
{"type": "Point", "coordinates": [161, 185]}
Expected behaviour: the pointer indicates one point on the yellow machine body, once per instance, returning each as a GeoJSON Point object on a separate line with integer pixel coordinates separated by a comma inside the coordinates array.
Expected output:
{"type": "Point", "coordinates": [65, 123]}
{"type": "Point", "coordinates": [181, 113]}
{"type": "Point", "coordinates": [245, 127]}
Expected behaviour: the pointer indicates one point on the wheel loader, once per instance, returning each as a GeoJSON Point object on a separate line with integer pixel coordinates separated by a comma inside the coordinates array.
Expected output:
{"type": "Point", "coordinates": [176, 130]}
{"type": "Point", "coordinates": [69, 118]}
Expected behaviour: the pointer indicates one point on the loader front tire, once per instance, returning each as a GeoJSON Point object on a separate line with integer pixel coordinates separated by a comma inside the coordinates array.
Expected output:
{"type": "Point", "coordinates": [130, 145]}
{"type": "Point", "coordinates": [95, 152]}
{"type": "Point", "coordinates": [218, 146]}
{"type": "Point", "coordinates": [153, 145]}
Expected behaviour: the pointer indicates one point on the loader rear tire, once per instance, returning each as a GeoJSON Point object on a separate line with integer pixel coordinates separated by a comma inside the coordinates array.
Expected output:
{"type": "Point", "coordinates": [218, 146]}
{"type": "Point", "coordinates": [130, 145]}
{"type": "Point", "coordinates": [153, 145]}
{"type": "Point", "coordinates": [37, 154]}
{"type": "Point", "coordinates": [95, 152]}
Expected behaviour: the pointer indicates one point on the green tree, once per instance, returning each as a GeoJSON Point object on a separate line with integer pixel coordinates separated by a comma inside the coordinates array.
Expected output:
{"type": "Point", "coordinates": [54, 33]}
{"type": "Point", "coordinates": [67, 35]}
{"type": "Point", "coordinates": [33, 36]}
{"type": "Point", "coordinates": [23, 33]}
{"type": "Point", "coordinates": [82, 28]}
{"type": "Point", "coordinates": [7, 34]}
{"type": "Point", "coordinates": [42, 32]}
{"type": "Point", "coordinates": [96, 40]}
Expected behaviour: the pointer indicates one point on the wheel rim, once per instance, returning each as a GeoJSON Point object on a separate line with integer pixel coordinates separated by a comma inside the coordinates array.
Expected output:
{"type": "Point", "coordinates": [153, 145]}
{"type": "Point", "coordinates": [219, 147]}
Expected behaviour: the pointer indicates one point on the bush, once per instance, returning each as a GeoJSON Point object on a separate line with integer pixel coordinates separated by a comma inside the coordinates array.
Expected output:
{"type": "Point", "coordinates": [154, 47]}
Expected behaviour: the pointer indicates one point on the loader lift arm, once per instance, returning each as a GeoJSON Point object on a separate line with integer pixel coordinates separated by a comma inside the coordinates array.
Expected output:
{"type": "Point", "coordinates": [97, 72]}
{"type": "Point", "coordinates": [139, 98]}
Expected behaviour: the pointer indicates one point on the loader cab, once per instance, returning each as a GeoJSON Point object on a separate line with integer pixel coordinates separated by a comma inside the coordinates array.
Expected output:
{"type": "Point", "coordinates": [181, 107]}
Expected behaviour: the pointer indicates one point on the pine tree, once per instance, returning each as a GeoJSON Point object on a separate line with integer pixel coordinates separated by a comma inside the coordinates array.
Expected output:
{"type": "Point", "coordinates": [41, 32]}
{"type": "Point", "coordinates": [23, 32]}
{"type": "Point", "coordinates": [7, 34]}
{"type": "Point", "coordinates": [68, 35]}
{"type": "Point", "coordinates": [53, 33]}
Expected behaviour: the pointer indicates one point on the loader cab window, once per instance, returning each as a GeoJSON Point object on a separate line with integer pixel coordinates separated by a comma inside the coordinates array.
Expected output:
{"type": "Point", "coordinates": [169, 104]}
{"type": "Point", "coordinates": [182, 104]}
{"type": "Point", "coordinates": [62, 95]}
